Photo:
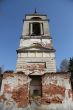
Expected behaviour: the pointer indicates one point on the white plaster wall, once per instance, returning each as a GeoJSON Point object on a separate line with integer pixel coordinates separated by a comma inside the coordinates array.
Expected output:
{"type": "Point", "coordinates": [50, 55]}
{"type": "Point", "coordinates": [42, 17]}
{"type": "Point", "coordinates": [46, 28]}
{"type": "Point", "coordinates": [38, 54]}
{"type": "Point", "coordinates": [22, 55]}
{"type": "Point", "coordinates": [29, 42]}
{"type": "Point", "coordinates": [35, 41]}
{"type": "Point", "coordinates": [31, 54]}
{"type": "Point", "coordinates": [46, 41]}
{"type": "Point", "coordinates": [25, 31]}
{"type": "Point", "coordinates": [46, 54]}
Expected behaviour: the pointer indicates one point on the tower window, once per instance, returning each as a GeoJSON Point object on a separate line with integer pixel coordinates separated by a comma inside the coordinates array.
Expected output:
{"type": "Point", "coordinates": [36, 30]}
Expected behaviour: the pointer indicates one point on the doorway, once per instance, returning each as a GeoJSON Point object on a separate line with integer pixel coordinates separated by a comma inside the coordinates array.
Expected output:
{"type": "Point", "coordinates": [35, 86]}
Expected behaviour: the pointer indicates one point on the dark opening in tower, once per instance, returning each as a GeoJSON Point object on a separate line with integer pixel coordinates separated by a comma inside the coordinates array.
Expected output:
{"type": "Point", "coordinates": [36, 29]}
{"type": "Point", "coordinates": [35, 85]}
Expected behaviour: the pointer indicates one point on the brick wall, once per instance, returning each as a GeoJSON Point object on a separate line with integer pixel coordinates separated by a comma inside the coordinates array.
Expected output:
{"type": "Point", "coordinates": [14, 89]}
{"type": "Point", "coordinates": [56, 88]}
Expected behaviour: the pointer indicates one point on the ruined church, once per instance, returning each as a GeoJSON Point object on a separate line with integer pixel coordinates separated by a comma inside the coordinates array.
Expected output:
{"type": "Point", "coordinates": [36, 54]}
{"type": "Point", "coordinates": [35, 77]}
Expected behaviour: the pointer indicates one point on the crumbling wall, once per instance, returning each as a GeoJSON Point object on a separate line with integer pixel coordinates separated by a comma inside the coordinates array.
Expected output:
{"type": "Point", "coordinates": [14, 89]}
{"type": "Point", "coordinates": [56, 88]}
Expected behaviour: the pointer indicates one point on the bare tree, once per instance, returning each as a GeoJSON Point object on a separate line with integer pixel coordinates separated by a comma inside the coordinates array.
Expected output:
{"type": "Point", "coordinates": [0, 70]}
{"type": "Point", "coordinates": [64, 66]}
{"type": "Point", "coordinates": [71, 71]}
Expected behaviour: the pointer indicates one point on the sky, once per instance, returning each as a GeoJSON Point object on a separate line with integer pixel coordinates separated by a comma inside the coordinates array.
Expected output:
{"type": "Point", "coordinates": [12, 12]}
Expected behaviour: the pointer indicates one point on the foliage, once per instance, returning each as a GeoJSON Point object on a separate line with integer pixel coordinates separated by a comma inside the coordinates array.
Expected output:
{"type": "Point", "coordinates": [0, 70]}
{"type": "Point", "coordinates": [71, 70]}
{"type": "Point", "coordinates": [8, 71]}
{"type": "Point", "coordinates": [71, 65]}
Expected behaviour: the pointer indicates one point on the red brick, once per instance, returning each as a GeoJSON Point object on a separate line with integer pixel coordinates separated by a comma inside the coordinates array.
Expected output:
{"type": "Point", "coordinates": [20, 96]}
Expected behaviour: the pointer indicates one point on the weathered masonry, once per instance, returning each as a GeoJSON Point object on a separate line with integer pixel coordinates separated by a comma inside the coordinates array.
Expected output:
{"type": "Point", "coordinates": [19, 90]}
{"type": "Point", "coordinates": [36, 51]}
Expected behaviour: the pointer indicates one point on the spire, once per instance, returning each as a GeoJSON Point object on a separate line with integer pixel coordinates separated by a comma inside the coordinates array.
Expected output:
{"type": "Point", "coordinates": [35, 11]}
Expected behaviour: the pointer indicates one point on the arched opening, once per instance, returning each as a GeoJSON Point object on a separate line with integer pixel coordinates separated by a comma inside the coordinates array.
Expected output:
{"type": "Point", "coordinates": [36, 18]}
{"type": "Point", "coordinates": [35, 86]}
{"type": "Point", "coordinates": [36, 30]}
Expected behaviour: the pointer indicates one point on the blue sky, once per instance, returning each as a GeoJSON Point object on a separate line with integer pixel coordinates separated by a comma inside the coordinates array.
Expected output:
{"type": "Point", "coordinates": [60, 13]}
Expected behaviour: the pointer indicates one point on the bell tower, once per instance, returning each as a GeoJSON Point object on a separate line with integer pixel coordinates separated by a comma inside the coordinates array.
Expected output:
{"type": "Point", "coordinates": [36, 51]}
